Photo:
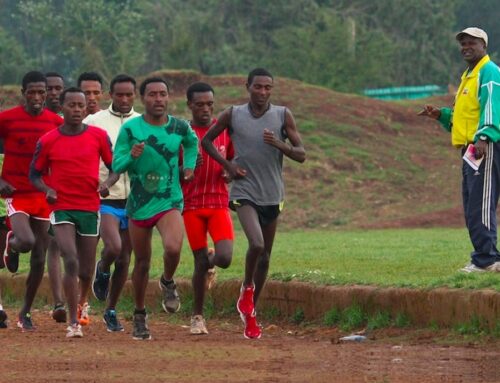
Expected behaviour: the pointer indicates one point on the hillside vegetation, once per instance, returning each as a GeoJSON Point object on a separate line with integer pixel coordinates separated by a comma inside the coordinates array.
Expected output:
{"type": "Point", "coordinates": [369, 163]}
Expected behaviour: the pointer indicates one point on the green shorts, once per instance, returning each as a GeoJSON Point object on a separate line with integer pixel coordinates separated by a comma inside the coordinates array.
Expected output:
{"type": "Point", "coordinates": [86, 222]}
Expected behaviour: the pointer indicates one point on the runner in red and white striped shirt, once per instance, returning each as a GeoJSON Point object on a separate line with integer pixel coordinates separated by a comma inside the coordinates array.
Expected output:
{"type": "Point", "coordinates": [206, 203]}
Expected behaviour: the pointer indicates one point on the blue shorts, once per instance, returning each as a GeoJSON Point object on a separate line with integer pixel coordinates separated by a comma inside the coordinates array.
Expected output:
{"type": "Point", "coordinates": [119, 214]}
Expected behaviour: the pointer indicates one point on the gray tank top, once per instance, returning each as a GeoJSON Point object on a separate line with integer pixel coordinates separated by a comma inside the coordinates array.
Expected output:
{"type": "Point", "coordinates": [263, 183]}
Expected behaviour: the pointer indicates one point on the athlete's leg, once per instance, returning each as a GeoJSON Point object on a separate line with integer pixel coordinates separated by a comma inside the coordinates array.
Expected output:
{"type": "Point", "coordinates": [269, 232]}
{"type": "Point", "coordinates": [54, 271]}
{"type": "Point", "coordinates": [250, 223]}
{"type": "Point", "coordinates": [86, 248]}
{"type": "Point", "coordinates": [110, 235]}
{"type": "Point", "coordinates": [201, 266]}
{"type": "Point", "coordinates": [23, 238]}
{"type": "Point", "coordinates": [141, 244]}
{"type": "Point", "coordinates": [171, 231]}
{"type": "Point", "coordinates": [37, 261]}
{"type": "Point", "coordinates": [65, 235]}
{"type": "Point", "coordinates": [120, 274]}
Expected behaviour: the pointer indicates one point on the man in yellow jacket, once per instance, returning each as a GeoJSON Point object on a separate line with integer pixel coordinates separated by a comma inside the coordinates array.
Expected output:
{"type": "Point", "coordinates": [474, 119]}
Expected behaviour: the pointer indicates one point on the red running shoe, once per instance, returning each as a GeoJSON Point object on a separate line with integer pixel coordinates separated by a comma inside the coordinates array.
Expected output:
{"type": "Point", "coordinates": [245, 304]}
{"type": "Point", "coordinates": [252, 328]}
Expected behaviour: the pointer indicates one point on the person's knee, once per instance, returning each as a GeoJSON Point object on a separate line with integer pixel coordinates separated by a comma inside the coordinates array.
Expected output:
{"type": "Point", "coordinates": [71, 266]}
{"type": "Point", "coordinates": [112, 249]}
{"type": "Point", "coordinates": [256, 247]}
{"type": "Point", "coordinates": [172, 250]}
{"type": "Point", "coordinates": [201, 263]}
{"type": "Point", "coordinates": [223, 260]}
{"type": "Point", "coordinates": [142, 266]}
{"type": "Point", "coordinates": [122, 262]}
{"type": "Point", "coordinates": [24, 242]}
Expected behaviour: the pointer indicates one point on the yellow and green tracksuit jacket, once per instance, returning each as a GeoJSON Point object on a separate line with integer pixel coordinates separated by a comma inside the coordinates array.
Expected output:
{"type": "Point", "coordinates": [476, 111]}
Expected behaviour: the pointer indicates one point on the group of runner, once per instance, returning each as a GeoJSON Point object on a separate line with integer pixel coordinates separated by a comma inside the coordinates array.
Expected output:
{"type": "Point", "coordinates": [73, 173]}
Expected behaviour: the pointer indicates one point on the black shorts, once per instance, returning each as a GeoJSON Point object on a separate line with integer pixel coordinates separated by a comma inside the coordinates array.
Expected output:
{"type": "Point", "coordinates": [267, 214]}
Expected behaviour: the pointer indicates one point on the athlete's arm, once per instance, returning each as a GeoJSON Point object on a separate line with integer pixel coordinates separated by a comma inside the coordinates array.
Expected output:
{"type": "Point", "coordinates": [190, 153]}
{"type": "Point", "coordinates": [295, 150]}
{"type": "Point", "coordinates": [223, 123]}
{"type": "Point", "coordinates": [125, 153]}
{"type": "Point", "coordinates": [37, 168]}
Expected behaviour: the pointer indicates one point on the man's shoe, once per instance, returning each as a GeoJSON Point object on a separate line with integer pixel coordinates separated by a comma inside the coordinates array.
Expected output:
{"type": "Point", "coordinates": [198, 325]}
{"type": "Point", "coordinates": [140, 328]}
{"type": "Point", "coordinates": [74, 331]}
{"type": "Point", "coordinates": [112, 322]}
{"type": "Point", "coordinates": [24, 322]}
{"type": "Point", "coordinates": [252, 328]}
{"type": "Point", "coordinates": [10, 256]}
{"type": "Point", "coordinates": [83, 314]}
{"type": "Point", "coordinates": [100, 287]}
{"type": "Point", "coordinates": [3, 319]}
{"type": "Point", "coordinates": [472, 268]}
{"type": "Point", "coordinates": [170, 302]}
{"type": "Point", "coordinates": [245, 304]}
{"type": "Point", "coordinates": [59, 313]}
{"type": "Point", "coordinates": [494, 267]}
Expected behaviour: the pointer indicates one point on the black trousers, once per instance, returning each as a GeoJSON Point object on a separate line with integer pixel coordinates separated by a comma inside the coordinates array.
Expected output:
{"type": "Point", "coordinates": [480, 192]}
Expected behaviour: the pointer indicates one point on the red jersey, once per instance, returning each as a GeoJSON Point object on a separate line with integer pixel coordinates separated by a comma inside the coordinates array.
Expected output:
{"type": "Point", "coordinates": [73, 166]}
{"type": "Point", "coordinates": [20, 132]}
{"type": "Point", "coordinates": [208, 189]}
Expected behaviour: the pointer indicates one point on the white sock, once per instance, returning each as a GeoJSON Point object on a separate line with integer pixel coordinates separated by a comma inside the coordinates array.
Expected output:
{"type": "Point", "coordinates": [1, 307]}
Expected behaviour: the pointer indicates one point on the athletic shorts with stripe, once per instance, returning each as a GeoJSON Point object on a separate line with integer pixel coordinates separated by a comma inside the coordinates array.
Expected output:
{"type": "Point", "coordinates": [199, 222]}
{"type": "Point", "coordinates": [86, 222]}
{"type": "Point", "coordinates": [34, 206]}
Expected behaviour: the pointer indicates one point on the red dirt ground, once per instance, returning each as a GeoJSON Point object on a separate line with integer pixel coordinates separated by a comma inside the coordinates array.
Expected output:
{"type": "Point", "coordinates": [283, 354]}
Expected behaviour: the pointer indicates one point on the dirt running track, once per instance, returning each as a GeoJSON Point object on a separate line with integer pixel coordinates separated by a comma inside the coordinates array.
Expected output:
{"type": "Point", "coordinates": [283, 354]}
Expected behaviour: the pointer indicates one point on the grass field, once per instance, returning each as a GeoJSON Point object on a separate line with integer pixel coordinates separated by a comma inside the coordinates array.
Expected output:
{"type": "Point", "coordinates": [419, 258]}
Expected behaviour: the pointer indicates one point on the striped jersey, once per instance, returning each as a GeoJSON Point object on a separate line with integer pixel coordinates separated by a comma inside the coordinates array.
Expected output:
{"type": "Point", "coordinates": [208, 190]}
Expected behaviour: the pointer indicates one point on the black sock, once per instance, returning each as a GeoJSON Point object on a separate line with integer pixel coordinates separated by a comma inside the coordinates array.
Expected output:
{"type": "Point", "coordinates": [137, 311]}
{"type": "Point", "coordinates": [165, 282]}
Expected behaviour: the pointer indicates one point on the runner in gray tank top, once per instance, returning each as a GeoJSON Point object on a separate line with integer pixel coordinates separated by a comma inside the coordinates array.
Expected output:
{"type": "Point", "coordinates": [258, 131]}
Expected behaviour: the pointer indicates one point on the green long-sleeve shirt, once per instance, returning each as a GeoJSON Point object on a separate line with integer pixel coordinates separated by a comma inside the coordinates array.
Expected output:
{"type": "Point", "coordinates": [154, 176]}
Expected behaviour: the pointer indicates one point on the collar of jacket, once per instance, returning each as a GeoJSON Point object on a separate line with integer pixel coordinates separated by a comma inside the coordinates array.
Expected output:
{"type": "Point", "coordinates": [118, 114]}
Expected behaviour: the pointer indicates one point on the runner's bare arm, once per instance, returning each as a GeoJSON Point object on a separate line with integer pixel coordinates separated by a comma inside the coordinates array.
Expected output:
{"type": "Point", "coordinates": [296, 150]}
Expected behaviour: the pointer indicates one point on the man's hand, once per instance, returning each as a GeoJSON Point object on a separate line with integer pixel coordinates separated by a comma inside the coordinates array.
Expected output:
{"type": "Point", "coordinates": [137, 150]}
{"type": "Point", "coordinates": [103, 190]}
{"type": "Point", "coordinates": [430, 111]}
{"type": "Point", "coordinates": [199, 160]}
{"type": "Point", "coordinates": [270, 139]}
{"type": "Point", "coordinates": [51, 196]}
{"type": "Point", "coordinates": [226, 177]}
{"type": "Point", "coordinates": [188, 175]}
{"type": "Point", "coordinates": [481, 148]}
{"type": "Point", "coordinates": [235, 172]}
{"type": "Point", "coordinates": [6, 189]}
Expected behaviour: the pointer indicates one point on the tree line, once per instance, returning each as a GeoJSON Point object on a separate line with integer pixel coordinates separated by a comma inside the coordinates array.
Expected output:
{"type": "Point", "coordinates": [346, 45]}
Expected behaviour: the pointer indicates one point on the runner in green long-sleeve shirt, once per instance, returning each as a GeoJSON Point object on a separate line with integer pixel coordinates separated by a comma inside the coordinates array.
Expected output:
{"type": "Point", "coordinates": [148, 149]}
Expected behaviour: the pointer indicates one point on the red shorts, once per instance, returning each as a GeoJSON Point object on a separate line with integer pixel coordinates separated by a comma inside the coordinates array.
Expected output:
{"type": "Point", "coordinates": [217, 222]}
{"type": "Point", "coordinates": [148, 223]}
{"type": "Point", "coordinates": [33, 206]}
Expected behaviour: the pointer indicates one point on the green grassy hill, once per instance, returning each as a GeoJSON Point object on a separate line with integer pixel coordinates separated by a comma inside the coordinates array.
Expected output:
{"type": "Point", "coordinates": [369, 163]}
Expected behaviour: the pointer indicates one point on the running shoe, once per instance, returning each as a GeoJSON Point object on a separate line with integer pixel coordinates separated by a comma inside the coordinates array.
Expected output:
{"type": "Point", "coordinates": [140, 328]}
{"type": "Point", "coordinates": [112, 322]}
{"type": "Point", "coordinates": [74, 331]}
{"type": "Point", "coordinates": [24, 322]}
{"type": "Point", "coordinates": [472, 268]}
{"type": "Point", "coordinates": [100, 287]}
{"type": "Point", "coordinates": [252, 328]}
{"type": "Point", "coordinates": [198, 325]}
{"type": "Point", "coordinates": [59, 313]}
{"type": "Point", "coordinates": [3, 319]}
{"type": "Point", "coordinates": [245, 304]}
{"type": "Point", "coordinates": [170, 302]}
{"type": "Point", "coordinates": [83, 314]}
{"type": "Point", "coordinates": [10, 256]}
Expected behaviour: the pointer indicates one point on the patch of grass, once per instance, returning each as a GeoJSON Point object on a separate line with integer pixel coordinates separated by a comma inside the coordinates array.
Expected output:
{"type": "Point", "coordinates": [298, 316]}
{"type": "Point", "coordinates": [332, 317]}
{"type": "Point", "coordinates": [475, 326]}
{"type": "Point", "coordinates": [270, 313]}
{"type": "Point", "coordinates": [381, 319]}
{"type": "Point", "coordinates": [402, 320]}
{"type": "Point", "coordinates": [352, 317]}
